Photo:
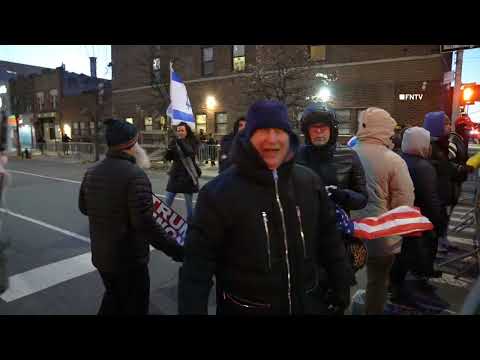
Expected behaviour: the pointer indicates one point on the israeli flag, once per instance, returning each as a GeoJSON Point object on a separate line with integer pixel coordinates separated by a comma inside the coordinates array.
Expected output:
{"type": "Point", "coordinates": [180, 108]}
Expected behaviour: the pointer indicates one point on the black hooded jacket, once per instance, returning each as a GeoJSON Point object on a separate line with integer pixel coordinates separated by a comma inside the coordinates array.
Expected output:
{"type": "Point", "coordinates": [450, 172]}
{"type": "Point", "coordinates": [262, 243]}
{"type": "Point", "coordinates": [339, 166]}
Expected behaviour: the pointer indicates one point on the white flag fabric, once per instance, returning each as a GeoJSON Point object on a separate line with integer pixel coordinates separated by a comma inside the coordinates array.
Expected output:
{"type": "Point", "coordinates": [181, 110]}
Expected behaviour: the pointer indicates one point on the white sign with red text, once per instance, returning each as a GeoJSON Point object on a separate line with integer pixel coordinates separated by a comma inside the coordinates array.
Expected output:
{"type": "Point", "coordinates": [173, 223]}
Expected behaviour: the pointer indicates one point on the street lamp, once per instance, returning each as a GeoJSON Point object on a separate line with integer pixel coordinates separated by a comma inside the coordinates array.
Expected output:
{"type": "Point", "coordinates": [211, 102]}
{"type": "Point", "coordinates": [324, 94]}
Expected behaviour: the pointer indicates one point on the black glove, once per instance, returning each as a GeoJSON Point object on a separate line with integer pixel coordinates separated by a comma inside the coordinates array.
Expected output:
{"type": "Point", "coordinates": [338, 195]}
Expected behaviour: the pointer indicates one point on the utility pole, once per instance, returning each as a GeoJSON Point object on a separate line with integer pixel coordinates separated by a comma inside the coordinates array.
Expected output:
{"type": "Point", "coordinates": [98, 114]}
{"type": "Point", "coordinates": [456, 89]}
{"type": "Point", "coordinates": [17, 133]}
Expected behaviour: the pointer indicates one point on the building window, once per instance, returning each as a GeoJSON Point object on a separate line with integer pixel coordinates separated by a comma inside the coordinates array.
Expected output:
{"type": "Point", "coordinates": [207, 61]}
{"type": "Point", "coordinates": [318, 52]}
{"type": "Point", "coordinates": [92, 128]}
{"type": "Point", "coordinates": [238, 58]}
{"type": "Point", "coordinates": [83, 129]}
{"type": "Point", "coordinates": [129, 120]}
{"type": "Point", "coordinates": [40, 100]}
{"type": "Point", "coordinates": [53, 98]}
{"type": "Point", "coordinates": [201, 122]}
{"type": "Point", "coordinates": [75, 128]}
{"type": "Point", "coordinates": [221, 123]}
{"type": "Point", "coordinates": [344, 117]}
{"type": "Point", "coordinates": [148, 124]}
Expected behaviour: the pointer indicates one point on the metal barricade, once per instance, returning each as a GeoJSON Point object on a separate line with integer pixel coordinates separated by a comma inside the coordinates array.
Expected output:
{"type": "Point", "coordinates": [208, 153]}
{"type": "Point", "coordinates": [472, 217]}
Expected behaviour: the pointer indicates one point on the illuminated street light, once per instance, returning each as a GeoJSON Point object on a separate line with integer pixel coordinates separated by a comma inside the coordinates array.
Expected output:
{"type": "Point", "coordinates": [3, 89]}
{"type": "Point", "coordinates": [211, 102]}
{"type": "Point", "coordinates": [324, 94]}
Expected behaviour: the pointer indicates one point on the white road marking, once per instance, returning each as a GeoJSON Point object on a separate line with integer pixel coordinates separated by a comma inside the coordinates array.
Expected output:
{"type": "Point", "coordinates": [44, 224]}
{"type": "Point", "coordinates": [45, 177]}
{"type": "Point", "coordinates": [43, 277]}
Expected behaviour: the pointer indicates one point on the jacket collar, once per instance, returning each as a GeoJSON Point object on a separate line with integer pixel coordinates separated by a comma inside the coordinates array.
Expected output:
{"type": "Point", "coordinates": [251, 165]}
{"type": "Point", "coordinates": [118, 154]}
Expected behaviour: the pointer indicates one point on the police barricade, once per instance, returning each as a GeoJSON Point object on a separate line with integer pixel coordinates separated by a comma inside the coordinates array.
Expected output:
{"type": "Point", "coordinates": [208, 153]}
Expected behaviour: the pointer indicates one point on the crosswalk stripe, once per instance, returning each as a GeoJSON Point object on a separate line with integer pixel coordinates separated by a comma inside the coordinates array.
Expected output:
{"type": "Point", "coordinates": [46, 276]}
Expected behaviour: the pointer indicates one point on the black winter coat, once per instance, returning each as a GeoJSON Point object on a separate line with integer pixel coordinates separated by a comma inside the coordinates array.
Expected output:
{"type": "Point", "coordinates": [116, 195]}
{"type": "Point", "coordinates": [425, 181]}
{"type": "Point", "coordinates": [267, 249]}
{"type": "Point", "coordinates": [448, 172]}
{"type": "Point", "coordinates": [421, 252]}
{"type": "Point", "coordinates": [180, 182]}
{"type": "Point", "coordinates": [340, 167]}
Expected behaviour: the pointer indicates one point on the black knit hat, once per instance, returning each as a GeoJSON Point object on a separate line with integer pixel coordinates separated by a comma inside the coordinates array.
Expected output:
{"type": "Point", "coordinates": [266, 114]}
{"type": "Point", "coordinates": [120, 134]}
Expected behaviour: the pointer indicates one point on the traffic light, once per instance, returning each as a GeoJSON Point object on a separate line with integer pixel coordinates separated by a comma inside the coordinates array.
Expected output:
{"type": "Point", "coordinates": [470, 93]}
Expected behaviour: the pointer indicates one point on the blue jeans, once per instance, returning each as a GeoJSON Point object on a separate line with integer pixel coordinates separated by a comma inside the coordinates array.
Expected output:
{"type": "Point", "coordinates": [169, 197]}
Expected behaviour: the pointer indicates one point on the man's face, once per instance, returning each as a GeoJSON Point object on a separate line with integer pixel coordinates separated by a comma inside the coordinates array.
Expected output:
{"type": "Point", "coordinates": [272, 145]}
{"type": "Point", "coordinates": [181, 132]}
{"type": "Point", "coordinates": [447, 127]}
{"type": "Point", "coordinates": [319, 134]}
{"type": "Point", "coordinates": [241, 125]}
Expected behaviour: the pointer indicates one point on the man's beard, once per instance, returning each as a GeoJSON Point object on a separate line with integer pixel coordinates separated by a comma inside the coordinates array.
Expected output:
{"type": "Point", "coordinates": [141, 157]}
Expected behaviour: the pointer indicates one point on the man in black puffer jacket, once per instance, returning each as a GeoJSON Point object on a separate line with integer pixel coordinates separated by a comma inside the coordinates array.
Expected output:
{"type": "Point", "coordinates": [116, 195]}
{"type": "Point", "coordinates": [339, 167]}
{"type": "Point", "coordinates": [256, 229]}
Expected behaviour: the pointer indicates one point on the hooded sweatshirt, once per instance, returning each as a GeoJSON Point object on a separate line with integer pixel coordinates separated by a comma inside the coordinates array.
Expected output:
{"type": "Point", "coordinates": [416, 151]}
{"type": "Point", "coordinates": [416, 141]}
{"type": "Point", "coordinates": [388, 181]}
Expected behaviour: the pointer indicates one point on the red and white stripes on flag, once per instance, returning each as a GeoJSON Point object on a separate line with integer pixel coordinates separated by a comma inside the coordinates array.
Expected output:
{"type": "Point", "coordinates": [399, 221]}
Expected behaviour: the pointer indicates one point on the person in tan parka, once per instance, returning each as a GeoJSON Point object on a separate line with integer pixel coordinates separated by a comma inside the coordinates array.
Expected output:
{"type": "Point", "coordinates": [389, 186]}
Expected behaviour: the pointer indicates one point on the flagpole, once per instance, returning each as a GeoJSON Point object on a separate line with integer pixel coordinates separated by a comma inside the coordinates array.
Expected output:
{"type": "Point", "coordinates": [169, 119]}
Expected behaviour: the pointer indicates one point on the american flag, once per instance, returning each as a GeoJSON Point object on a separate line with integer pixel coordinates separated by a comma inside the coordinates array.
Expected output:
{"type": "Point", "coordinates": [402, 220]}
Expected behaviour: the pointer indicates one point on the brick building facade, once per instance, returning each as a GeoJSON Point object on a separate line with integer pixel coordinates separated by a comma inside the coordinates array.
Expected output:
{"type": "Point", "coordinates": [57, 102]}
{"type": "Point", "coordinates": [406, 80]}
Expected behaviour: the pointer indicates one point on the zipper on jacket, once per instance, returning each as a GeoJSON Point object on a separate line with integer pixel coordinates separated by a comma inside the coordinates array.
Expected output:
{"type": "Point", "coordinates": [287, 260]}
{"type": "Point", "coordinates": [244, 302]}
{"type": "Point", "coordinates": [299, 216]}
{"type": "Point", "coordinates": [265, 224]}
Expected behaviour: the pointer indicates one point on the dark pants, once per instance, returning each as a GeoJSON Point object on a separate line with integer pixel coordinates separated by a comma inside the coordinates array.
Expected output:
{"type": "Point", "coordinates": [378, 276]}
{"type": "Point", "coordinates": [126, 292]}
{"type": "Point", "coordinates": [417, 255]}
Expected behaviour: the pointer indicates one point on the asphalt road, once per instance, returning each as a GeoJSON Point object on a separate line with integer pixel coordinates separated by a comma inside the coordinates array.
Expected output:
{"type": "Point", "coordinates": [49, 260]}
